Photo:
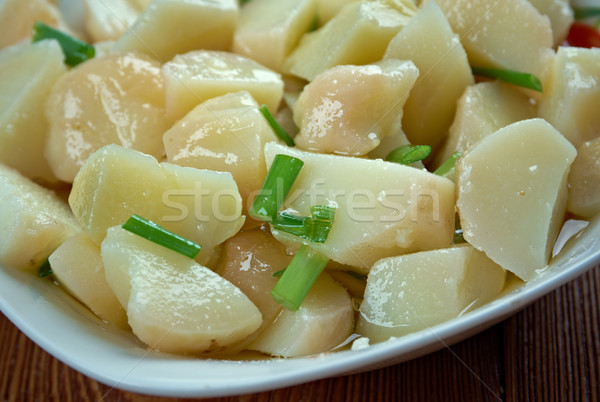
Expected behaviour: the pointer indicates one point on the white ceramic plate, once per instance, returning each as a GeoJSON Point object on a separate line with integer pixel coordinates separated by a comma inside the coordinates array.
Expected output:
{"type": "Point", "coordinates": [72, 334]}
{"type": "Point", "coordinates": [68, 331]}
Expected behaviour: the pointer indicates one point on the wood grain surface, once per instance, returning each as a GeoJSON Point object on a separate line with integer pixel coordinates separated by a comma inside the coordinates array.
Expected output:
{"type": "Point", "coordinates": [548, 352]}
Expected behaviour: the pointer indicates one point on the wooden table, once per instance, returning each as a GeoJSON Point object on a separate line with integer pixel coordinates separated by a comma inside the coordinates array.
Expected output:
{"type": "Point", "coordinates": [548, 352]}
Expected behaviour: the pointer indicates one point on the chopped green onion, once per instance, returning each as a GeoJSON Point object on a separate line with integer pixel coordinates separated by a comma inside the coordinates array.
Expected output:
{"type": "Point", "coordinates": [407, 154]}
{"type": "Point", "coordinates": [448, 168]}
{"type": "Point", "coordinates": [315, 228]}
{"type": "Point", "coordinates": [356, 275]}
{"type": "Point", "coordinates": [314, 24]}
{"type": "Point", "coordinates": [279, 131]}
{"type": "Point", "coordinates": [277, 185]}
{"type": "Point", "coordinates": [521, 79]}
{"type": "Point", "coordinates": [45, 270]}
{"type": "Point", "coordinates": [298, 278]}
{"type": "Point", "coordinates": [244, 1]}
{"type": "Point", "coordinates": [159, 235]}
{"type": "Point", "coordinates": [278, 273]}
{"type": "Point", "coordinates": [76, 51]}
{"type": "Point", "coordinates": [582, 13]}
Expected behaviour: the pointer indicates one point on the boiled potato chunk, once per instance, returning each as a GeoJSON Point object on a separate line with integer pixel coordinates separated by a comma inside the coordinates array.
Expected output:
{"type": "Point", "coordinates": [116, 182]}
{"type": "Point", "coordinates": [195, 77]}
{"type": "Point", "coordinates": [560, 14]}
{"type": "Point", "coordinates": [170, 27]}
{"type": "Point", "coordinates": [512, 194]}
{"type": "Point", "coordinates": [570, 100]}
{"type": "Point", "coordinates": [116, 99]}
{"type": "Point", "coordinates": [18, 16]}
{"type": "Point", "coordinates": [33, 221]}
{"type": "Point", "coordinates": [174, 304]}
{"type": "Point", "coordinates": [412, 292]}
{"type": "Point", "coordinates": [509, 35]}
{"type": "Point", "coordinates": [327, 9]}
{"type": "Point", "coordinates": [249, 260]}
{"type": "Point", "coordinates": [278, 23]}
{"type": "Point", "coordinates": [323, 321]}
{"type": "Point", "coordinates": [483, 109]}
{"type": "Point", "coordinates": [77, 265]}
{"type": "Point", "coordinates": [403, 210]}
{"type": "Point", "coordinates": [357, 35]}
{"type": "Point", "coordinates": [227, 134]}
{"type": "Point", "coordinates": [27, 73]}
{"type": "Point", "coordinates": [428, 41]}
{"type": "Point", "coordinates": [348, 109]}
{"type": "Point", "coordinates": [107, 20]}
{"type": "Point", "coordinates": [584, 181]}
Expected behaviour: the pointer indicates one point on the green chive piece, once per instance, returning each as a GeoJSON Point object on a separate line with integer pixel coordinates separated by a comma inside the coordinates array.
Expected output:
{"type": "Point", "coordinates": [448, 168]}
{"type": "Point", "coordinates": [298, 278]}
{"type": "Point", "coordinates": [278, 273]}
{"type": "Point", "coordinates": [315, 228]}
{"type": "Point", "coordinates": [244, 1]}
{"type": "Point", "coordinates": [407, 154]}
{"type": "Point", "coordinates": [155, 233]}
{"type": "Point", "coordinates": [521, 79]}
{"type": "Point", "coordinates": [279, 131]}
{"type": "Point", "coordinates": [314, 24]}
{"type": "Point", "coordinates": [76, 51]}
{"type": "Point", "coordinates": [45, 270]}
{"type": "Point", "coordinates": [277, 185]}
{"type": "Point", "coordinates": [582, 13]}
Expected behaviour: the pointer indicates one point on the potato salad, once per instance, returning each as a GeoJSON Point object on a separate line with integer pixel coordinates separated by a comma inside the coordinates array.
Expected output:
{"type": "Point", "coordinates": [285, 176]}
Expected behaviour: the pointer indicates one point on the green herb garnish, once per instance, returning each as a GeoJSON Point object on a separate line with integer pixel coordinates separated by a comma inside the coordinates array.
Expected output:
{"type": "Point", "coordinates": [521, 79]}
{"type": "Point", "coordinates": [448, 168]}
{"type": "Point", "coordinates": [157, 234]}
{"type": "Point", "coordinates": [298, 278]}
{"type": "Point", "coordinates": [279, 131]}
{"type": "Point", "coordinates": [45, 270]}
{"type": "Point", "coordinates": [277, 184]}
{"type": "Point", "coordinates": [315, 228]}
{"type": "Point", "coordinates": [76, 51]}
{"type": "Point", "coordinates": [407, 154]}
{"type": "Point", "coordinates": [582, 13]}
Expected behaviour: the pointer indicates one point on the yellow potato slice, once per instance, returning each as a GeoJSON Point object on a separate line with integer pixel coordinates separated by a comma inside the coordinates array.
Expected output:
{"type": "Point", "coordinates": [560, 14]}
{"type": "Point", "coordinates": [77, 265]}
{"type": "Point", "coordinates": [402, 211]}
{"type": "Point", "coordinates": [27, 73]}
{"type": "Point", "coordinates": [268, 30]}
{"type": "Point", "coordinates": [170, 27]}
{"type": "Point", "coordinates": [444, 74]}
{"type": "Point", "coordinates": [33, 221]}
{"type": "Point", "coordinates": [116, 99]}
{"type": "Point", "coordinates": [584, 181]}
{"type": "Point", "coordinates": [416, 291]}
{"type": "Point", "coordinates": [347, 110]}
{"type": "Point", "coordinates": [116, 182]}
{"type": "Point", "coordinates": [174, 304]}
{"type": "Point", "coordinates": [107, 20]}
{"type": "Point", "coordinates": [570, 100]}
{"type": "Point", "coordinates": [512, 194]}
{"type": "Point", "coordinates": [195, 77]}
{"type": "Point", "coordinates": [323, 321]}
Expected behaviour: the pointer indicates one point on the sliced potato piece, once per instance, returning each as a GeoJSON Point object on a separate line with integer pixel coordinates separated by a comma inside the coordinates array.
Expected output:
{"type": "Point", "coordinates": [347, 110]}
{"type": "Point", "coordinates": [510, 35]}
{"type": "Point", "coordinates": [174, 304]}
{"type": "Point", "coordinates": [483, 109]}
{"type": "Point", "coordinates": [77, 265]}
{"type": "Point", "coordinates": [200, 205]}
{"type": "Point", "coordinates": [428, 41]}
{"type": "Point", "coordinates": [195, 77]}
{"type": "Point", "coordinates": [512, 194]}
{"type": "Point", "coordinates": [33, 221]}
{"type": "Point", "coordinates": [357, 35]}
{"type": "Point", "coordinates": [268, 30]}
{"type": "Point", "coordinates": [107, 20]}
{"type": "Point", "coordinates": [327, 9]}
{"type": "Point", "coordinates": [116, 99]}
{"type": "Point", "coordinates": [249, 260]}
{"type": "Point", "coordinates": [226, 134]}
{"type": "Point", "coordinates": [570, 100]}
{"type": "Point", "coordinates": [584, 181]}
{"type": "Point", "coordinates": [404, 210]}
{"type": "Point", "coordinates": [27, 73]}
{"type": "Point", "coordinates": [323, 321]}
{"type": "Point", "coordinates": [560, 14]}
{"type": "Point", "coordinates": [18, 16]}
{"type": "Point", "coordinates": [416, 291]}
{"type": "Point", "coordinates": [170, 27]}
